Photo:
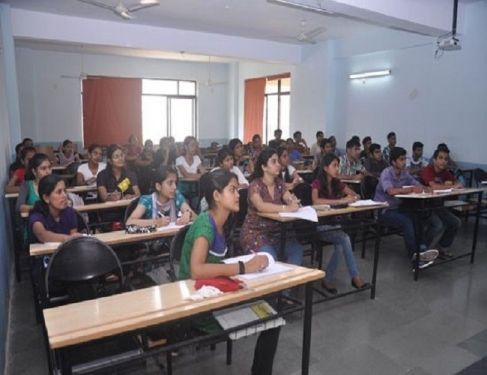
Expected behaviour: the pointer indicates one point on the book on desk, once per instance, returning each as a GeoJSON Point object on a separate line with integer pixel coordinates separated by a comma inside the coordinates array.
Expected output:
{"type": "Point", "coordinates": [255, 311]}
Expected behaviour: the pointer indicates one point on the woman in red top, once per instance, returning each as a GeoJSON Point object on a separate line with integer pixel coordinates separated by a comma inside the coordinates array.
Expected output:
{"type": "Point", "coordinates": [327, 189]}
{"type": "Point", "coordinates": [18, 176]}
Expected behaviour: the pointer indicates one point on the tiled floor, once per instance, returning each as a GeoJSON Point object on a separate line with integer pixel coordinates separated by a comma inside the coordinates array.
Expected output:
{"type": "Point", "coordinates": [437, 325]}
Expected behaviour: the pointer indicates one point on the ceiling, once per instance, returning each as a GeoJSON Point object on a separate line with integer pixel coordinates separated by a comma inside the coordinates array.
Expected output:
{"type": "Point", "coordinates": [231, 17]}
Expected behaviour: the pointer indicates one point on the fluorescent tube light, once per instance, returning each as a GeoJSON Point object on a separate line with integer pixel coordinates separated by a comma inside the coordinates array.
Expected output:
{"type": "Point", "coordinates": [377, 73]}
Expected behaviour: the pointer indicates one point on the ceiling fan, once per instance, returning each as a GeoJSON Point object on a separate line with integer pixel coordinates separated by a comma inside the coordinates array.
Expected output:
{"type": "Point", "coordinates": [309, 36]}
{"type": "Point", "coordinates": [122, 10]}
{"type": "Point", "coordinates": [210, 82]}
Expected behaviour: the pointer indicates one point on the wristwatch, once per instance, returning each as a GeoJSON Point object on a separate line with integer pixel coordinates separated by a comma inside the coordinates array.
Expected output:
{"type": "Point", "coordinates": [241, 267]}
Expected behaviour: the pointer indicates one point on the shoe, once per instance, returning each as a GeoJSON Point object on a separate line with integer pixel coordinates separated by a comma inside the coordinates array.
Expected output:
{"type": "Point", "coordinates": [423, 264]}
{"type": "Point", "coordinates": [364, 285]}
{"type": "Point", "coordinates": [443, 254]}
{"type": "Point", "coordinates": [329, 289]}
{"type": "Point", "coordinates": [426, 256]}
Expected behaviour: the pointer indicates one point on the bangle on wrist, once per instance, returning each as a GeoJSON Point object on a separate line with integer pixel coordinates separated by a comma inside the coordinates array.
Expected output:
{"type": "Point", "coordinates": [241, 267]}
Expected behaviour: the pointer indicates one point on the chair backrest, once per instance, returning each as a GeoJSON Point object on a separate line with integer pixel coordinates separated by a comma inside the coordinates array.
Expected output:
{"type": "Point", "coordinates": [303, 192]}
{"type": "Point", "coordinates": [80, 268]}
{"type": "Point", "coordinates": [82, 224]}
{"type": "Point", "coordinates": [243, 204]}
{"type": "Point", "coordinates": [479, 175]}
{"type": "Point", "coordinates": [175, 251]}
{"type": "Point", "coordinates": [367, 187]}
{"type": "Point", "coordinates": [130, 208]}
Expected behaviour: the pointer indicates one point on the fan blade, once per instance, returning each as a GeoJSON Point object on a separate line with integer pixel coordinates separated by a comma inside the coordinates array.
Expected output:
{"type": "Point", "coordinates": [142, 4]}
{"type": "Point", "coordinates": [124, 14]}
{"type": "Point", "coordinates": [315, 32]}
{"type": "Point", "coordinates": [97, 3]}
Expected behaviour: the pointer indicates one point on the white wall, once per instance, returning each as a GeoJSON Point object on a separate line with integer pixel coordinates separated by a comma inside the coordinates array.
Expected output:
{"type": "Point", "coordinates": [425, 99]}
{"type": "Point", "coordinates": [50, 106]}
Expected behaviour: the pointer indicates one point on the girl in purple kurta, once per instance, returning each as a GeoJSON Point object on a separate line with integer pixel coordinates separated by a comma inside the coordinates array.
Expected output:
{"type": "Point", "coordinates": [267, 194]}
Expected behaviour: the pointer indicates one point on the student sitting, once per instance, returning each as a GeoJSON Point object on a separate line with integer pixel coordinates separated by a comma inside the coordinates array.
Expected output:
{"type": "Point", "coordinates": [165, 205]}
{"type": "Point", "coordinates": [316, 147]}
{"type": "Point", "coordinates": [351, 167]}
{"type": "Point", "coordinates": [240, 160]}
{"type": "Point", "coordinates": [334, 149]}
{"type": "Point", "coordinates": [144, 166]}
{"type": "Point", "coordinates": [163, 156]}
{"type": "Point", "coordinates": [87, 172]}
{"type": "Point", "coordinates": [396, 180]}
{"type": "Point", "coordinates": [300, 142]}
{"type": "Point", "coordinates": [255, 147]}
{"type": "Point", "coordinates": [391, 143]}
{"type": "Point", "coordinates": [375, 163]}
{"type": "Point", "coordinates": [289, 174]}
{"type": "Point", "coordinates": [224, 160]}
{"type": "Point", "coordinates": [18, 176]}
{"type": "Point", "coordinates": [131, 150]}
{"type": "Point", "coordinates": [274, 143]}
{"type": "Point", "coordinates": [366, 143]}
{"type": "Point", "coordinates": [189, 164]}
{"type": "Point", "coordinates": [292, 150]}
{"type": "Point", "coordinates": [327, 189]}
{"type": "Point", "coordinates": [116, 181]}
{"type": "Point", "coordinates": [51, 219]}
{"type": "Point", "coordinates": [17, 163]}
{"type": "Point", "coordinates": [205, 247]}
{"type": "Point", "coordinates": [416, 162]}
{"type": "Point", "coordinates": [443, 225]}
{"type": "Point", "coordinates": [39, 166]}
{"type": "Point", "coordinates": [267, 193]}
{"type": "Point", "coordinates": [67, 155]}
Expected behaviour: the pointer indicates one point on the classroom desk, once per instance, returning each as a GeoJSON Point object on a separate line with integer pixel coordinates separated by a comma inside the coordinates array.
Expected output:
{"type": "Point", "coordinates": [432, 201]}
{"type": "Point", "coordinates": [74, 189]}
{"type": "Point", "coordinates": [324, 214]}
{"type": "Point", "coordinates": [85, 321]}
{"type": "Point", "coordinates": [123, 203]}
{"type": "Point", "coordinates": [118, 237]}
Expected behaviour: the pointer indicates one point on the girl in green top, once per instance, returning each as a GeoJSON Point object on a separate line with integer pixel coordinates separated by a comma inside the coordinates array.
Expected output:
{"type": "Point", "coordinates": [205, 247]}
{"type": "Point", "coordinates": [39, 166]}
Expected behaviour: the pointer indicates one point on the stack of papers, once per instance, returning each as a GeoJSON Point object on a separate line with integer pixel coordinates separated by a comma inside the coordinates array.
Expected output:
{"type": "Point", "coordinates": [305, 213]}
{"type": "Point", "coordinates": [442, 191]}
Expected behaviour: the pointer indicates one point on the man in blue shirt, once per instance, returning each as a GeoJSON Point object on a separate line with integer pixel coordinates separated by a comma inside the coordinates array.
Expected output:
{"type": "Point", "coordinates": [396, 180]}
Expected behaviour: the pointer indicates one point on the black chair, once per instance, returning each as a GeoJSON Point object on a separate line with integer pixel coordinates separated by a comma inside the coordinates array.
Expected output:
{"type": "Point", "coordinates": [303, 193]}
{"type": "Point", "coordinates": [80, 267]}
{"type": "Point", "coordinates": [130, 208]}
{"type": "Point", "coordinates": [86, 268]}
{"type": "Point", "coordinates": [368, 186]}
{"type": "Point", "coordinates": [82, 224]}
{"type": "Point", "coordinates": [175, 251]}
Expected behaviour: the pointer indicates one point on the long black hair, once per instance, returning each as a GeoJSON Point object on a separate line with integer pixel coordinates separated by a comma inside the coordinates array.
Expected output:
{"type": "Point", "coordinates": [161, 174]}
{"type": "Point", "coordinates": [324, 178]}
{"type": "Point", "coordinates": [34, 163]}
{"type": "Point", "coordinates": [262, 160]}
{"type": "Point", "coordinates": [217, 181]}
{"type": "Point", "coordinates": [287, 176]}
{"type": "Point", "coordinates": [47, 185]}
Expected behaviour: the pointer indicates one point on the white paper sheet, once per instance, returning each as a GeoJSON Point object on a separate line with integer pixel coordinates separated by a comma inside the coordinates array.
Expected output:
{"type": "Point", "coordinates": [305, 213]}
{"type": "Point", "coordinates": [272, 268]}
{"type": "Point", "coordinates": [367, 203]}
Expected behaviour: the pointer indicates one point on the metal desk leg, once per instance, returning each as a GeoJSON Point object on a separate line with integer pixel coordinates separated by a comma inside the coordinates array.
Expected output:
{"type": "Point", "coordinates": [308, 306]}
{"type": "Point", "coordinates": [376, 260]}
{"type": "Point", "coordinates": [476, 228]}
{"type": "Point", "coordinates": [282, 245]}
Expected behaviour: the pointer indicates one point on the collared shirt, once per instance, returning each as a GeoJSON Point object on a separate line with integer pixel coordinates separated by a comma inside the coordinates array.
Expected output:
{"type": "Point", "coordinates": [349, 167]}
{"type": "Point", "coordinates": [375, 167]}
{"type": "Point", "coordinates": [389, 179]}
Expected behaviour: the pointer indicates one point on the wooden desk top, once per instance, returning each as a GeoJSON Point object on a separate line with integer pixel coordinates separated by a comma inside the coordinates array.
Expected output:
{"type": "Point", "coordinates": [322, 212]}
{"type": "Point", "coordinates": [88, 320]}
{"type": "Point", "coordinates": [453, 193]}
{"type": "Point", "coordinates": [118, 237]}
{"type": "Point", "coordinates": [73, 189]}
{"type": "Point", "coordinates": [59, 167]}
{"type": "Point", "coordinates": [96, 206]}
{"type": "Point", "coordinates": [304, 171]}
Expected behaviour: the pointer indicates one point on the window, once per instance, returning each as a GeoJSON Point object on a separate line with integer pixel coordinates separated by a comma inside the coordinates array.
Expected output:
{"type": "Point", "coordinates": [168, 109]}
{"type": "Point", "coordinates": [276, 107]}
